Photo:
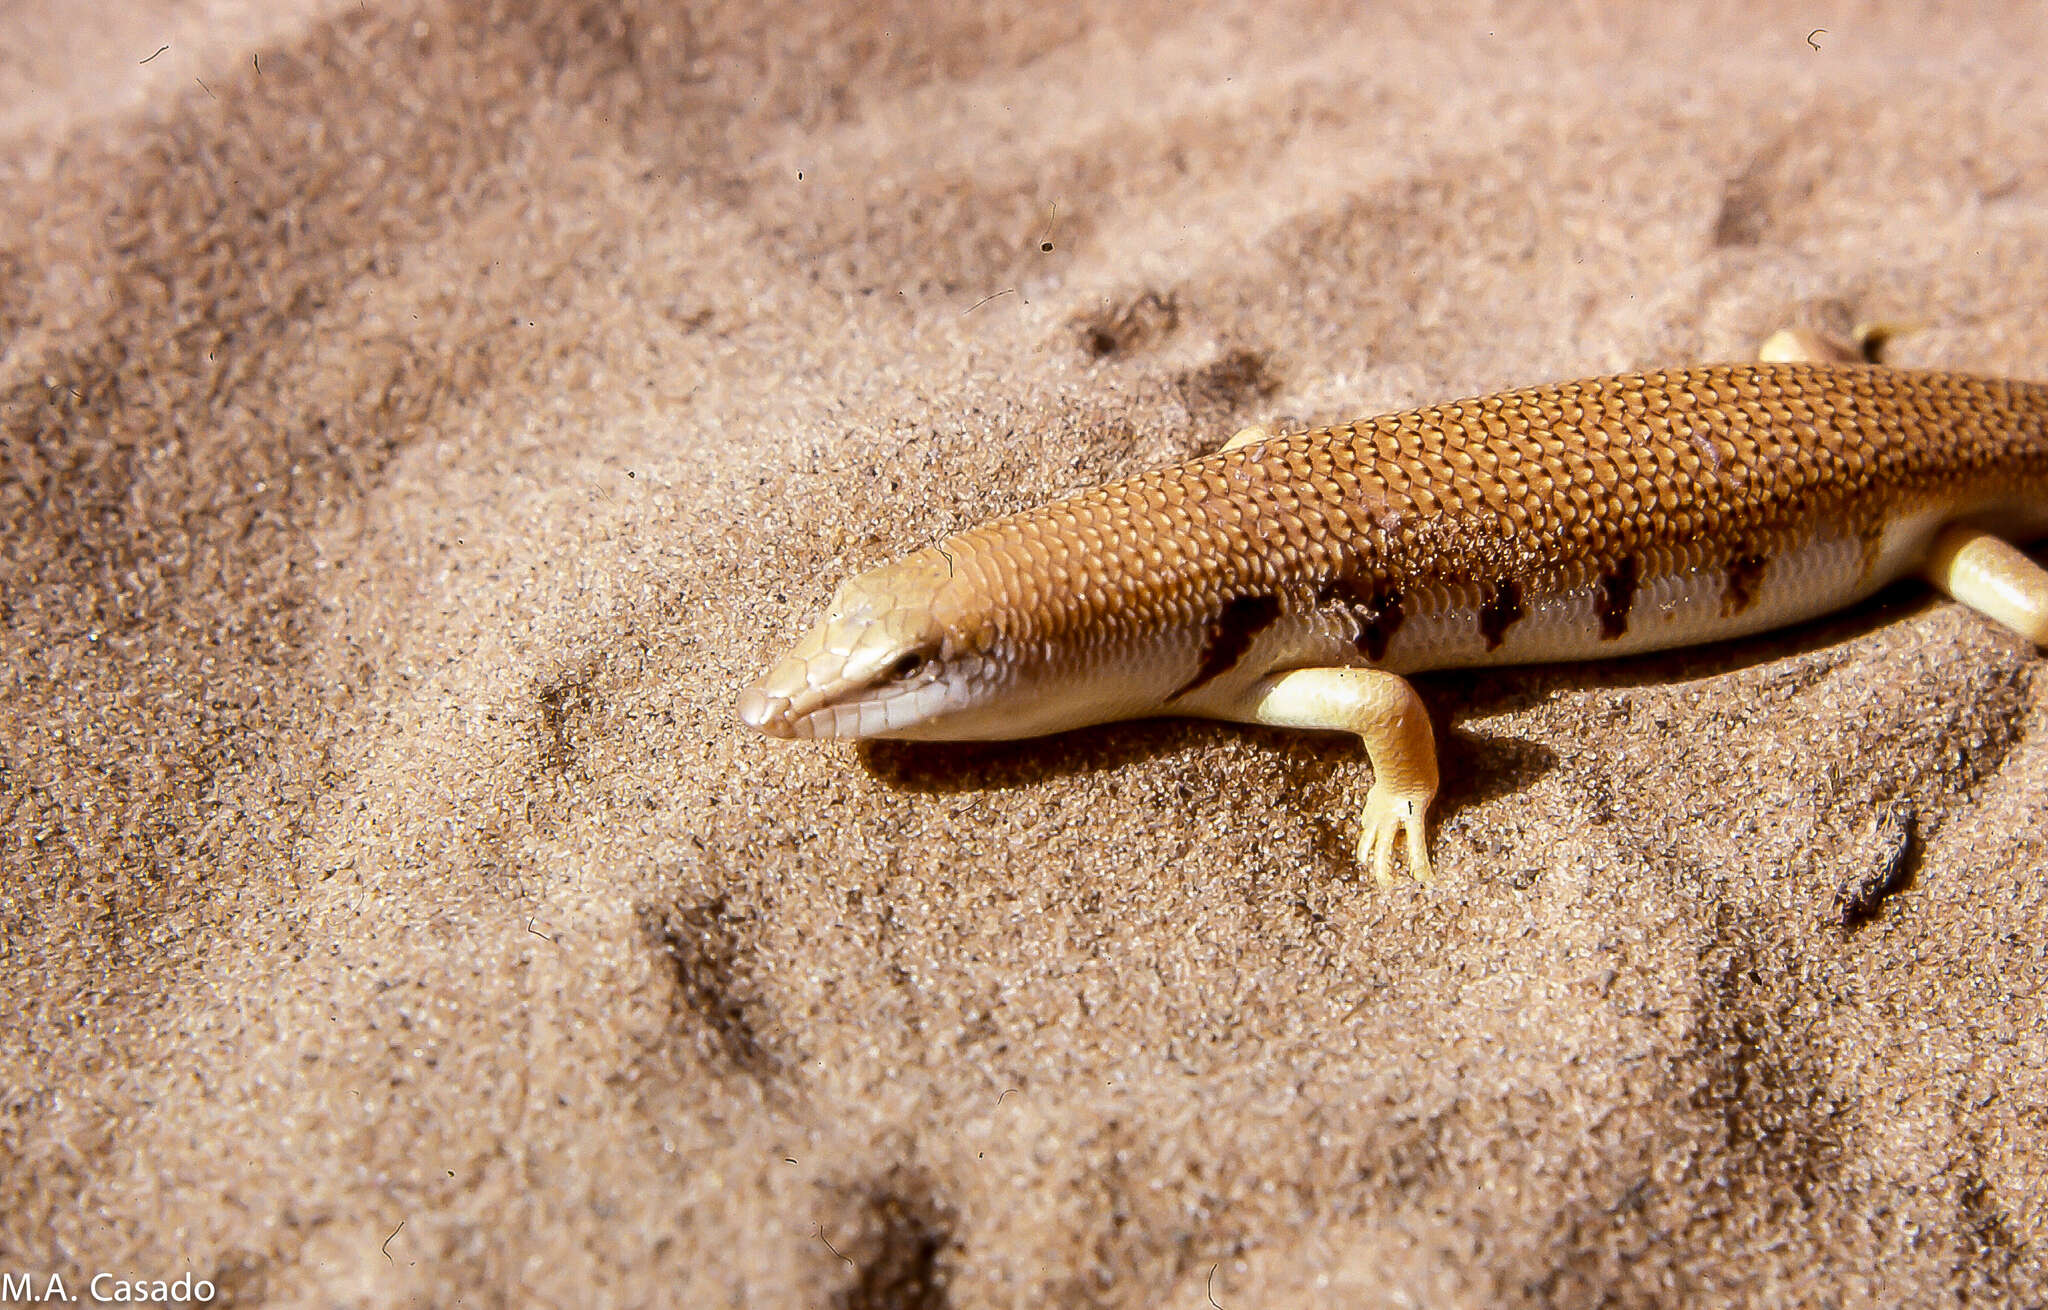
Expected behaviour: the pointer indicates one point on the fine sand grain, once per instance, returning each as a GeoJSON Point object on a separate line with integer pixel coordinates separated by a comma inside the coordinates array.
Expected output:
{"type": "Point", "coordinates": [417, 420]}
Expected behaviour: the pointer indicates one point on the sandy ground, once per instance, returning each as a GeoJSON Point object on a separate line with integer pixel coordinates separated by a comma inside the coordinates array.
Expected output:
{"type": "Point", "coordinates": [416, 421]}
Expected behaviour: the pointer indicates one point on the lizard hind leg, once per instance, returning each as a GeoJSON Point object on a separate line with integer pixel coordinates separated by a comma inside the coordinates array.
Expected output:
{"type": "Point", "coordinates": [1387, 714]}
{"type": "Point", "coordinates": [1863, 345]}
{"type": "Point", "coordinates": [1992, 576]}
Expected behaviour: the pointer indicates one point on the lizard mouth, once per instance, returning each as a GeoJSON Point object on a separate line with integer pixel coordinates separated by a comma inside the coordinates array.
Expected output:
{"type": "Point", "coordinates": [810, 716]}
{"type": "Point", "coordinates": [871, 667]}
{"type": "Point", "coordinates": [791, 717]}
{"type": "Point", "coordinates": [789, 701]}
{"type": "Point", "coordinates": [767, 713]}
{"type": "Point", "coordinates": [819, 696]}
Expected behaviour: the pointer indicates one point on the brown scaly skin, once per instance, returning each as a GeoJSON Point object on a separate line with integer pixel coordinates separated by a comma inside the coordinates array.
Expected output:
{"type": "Point", "coordinates": [1290, 579]}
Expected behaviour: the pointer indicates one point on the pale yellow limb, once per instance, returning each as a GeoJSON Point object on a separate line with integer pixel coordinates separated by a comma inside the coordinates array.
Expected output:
{"type": "Point", "coordinates": [1805, 346]}
{"type": "Point", "coordinates": [1247, 436]}
{"type": "Point", "coordinates": [1993, 577]}
{"type": "Point", "coordinates": [1808, 346]}
{"type": "Point", "coordinates": [1387, 714]}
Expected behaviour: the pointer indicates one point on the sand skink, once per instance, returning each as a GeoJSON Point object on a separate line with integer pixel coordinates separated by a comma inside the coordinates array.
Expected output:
{"type": "Point", "coordinates": [1293, 579]}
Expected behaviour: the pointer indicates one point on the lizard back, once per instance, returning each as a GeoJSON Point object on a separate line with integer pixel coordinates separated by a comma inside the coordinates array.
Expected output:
{"type": "Point", "coordinates": [1572, 520]}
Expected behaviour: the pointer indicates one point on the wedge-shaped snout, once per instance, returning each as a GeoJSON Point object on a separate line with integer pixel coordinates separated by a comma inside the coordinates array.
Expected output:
{"type": "Point", "coordinates": [866, 670]}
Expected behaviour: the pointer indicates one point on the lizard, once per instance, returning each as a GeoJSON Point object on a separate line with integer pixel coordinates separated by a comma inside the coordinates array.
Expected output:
{"type": "Point", "coordinates": [1295, 579]}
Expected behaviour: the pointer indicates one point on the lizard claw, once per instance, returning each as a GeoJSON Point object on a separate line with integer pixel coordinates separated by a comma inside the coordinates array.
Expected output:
{"type": "Point", "coordinates": [1387, 816]}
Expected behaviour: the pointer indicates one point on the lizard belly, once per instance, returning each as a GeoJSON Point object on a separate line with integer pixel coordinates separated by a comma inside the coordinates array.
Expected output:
{"type": "Point", "coordinates": [1450, 627]}
{"type": "Point", "coordinates": [1679, 607]}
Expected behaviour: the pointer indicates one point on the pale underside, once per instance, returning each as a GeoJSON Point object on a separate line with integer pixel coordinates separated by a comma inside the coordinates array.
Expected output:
{"type": "Point", "coordinates": [1828, 572]}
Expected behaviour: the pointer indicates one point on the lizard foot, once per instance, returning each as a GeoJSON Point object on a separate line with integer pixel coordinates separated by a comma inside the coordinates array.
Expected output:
{"type": "Point", "coordinates": [1388, 814]}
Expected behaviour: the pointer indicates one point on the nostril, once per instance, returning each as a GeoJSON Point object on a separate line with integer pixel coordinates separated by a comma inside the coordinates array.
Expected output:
{"type": "Point", "coordinates": [760, 710]}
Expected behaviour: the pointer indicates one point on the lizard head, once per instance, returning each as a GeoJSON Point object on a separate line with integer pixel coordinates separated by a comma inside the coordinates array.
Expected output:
{"type": "Point", "coordinates": [883, 662]}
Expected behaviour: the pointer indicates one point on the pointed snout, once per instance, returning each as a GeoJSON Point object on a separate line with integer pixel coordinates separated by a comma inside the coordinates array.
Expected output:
{"type": "Point", "coordinates": [762, 709]}
{"type": "Point", "coordinates": [798, 695]}
{"type": "Point", "coordinates": [836, 681]}
{"type": "Point", "coordinates": [780, 701]}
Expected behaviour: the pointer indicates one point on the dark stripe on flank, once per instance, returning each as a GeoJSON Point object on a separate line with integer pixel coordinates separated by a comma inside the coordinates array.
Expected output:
{"type": "Point", "coordinates": [1230, 635]}
{"type": "Point", "coordinates": [1377, 625]}
{"type": "Point", "coordinates": [1500, 612]}
{"type": "Point", "coordinates": [1744, 574]}
{"type": "Point", "coordinates": [1617, 597]}
{"type": "Point", "coordinates": [1378, 612]}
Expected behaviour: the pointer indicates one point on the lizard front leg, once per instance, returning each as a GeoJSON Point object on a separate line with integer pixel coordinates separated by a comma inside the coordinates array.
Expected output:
{"type": "Point", "coordinates": [1387, 714]}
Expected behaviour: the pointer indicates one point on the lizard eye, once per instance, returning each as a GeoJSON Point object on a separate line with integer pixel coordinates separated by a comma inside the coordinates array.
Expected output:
{"type": "Point", "coordinates": [907, 666]}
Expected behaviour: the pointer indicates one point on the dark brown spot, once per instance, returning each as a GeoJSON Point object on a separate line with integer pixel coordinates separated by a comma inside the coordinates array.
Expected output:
{"type": "Point", "coordinates": [569, 708]}
{"type": "Point", "coordinates": [707, 951]}
{"type": "Point", "coordinates": [1132, 327]}
{"type": "Point", "coordinates": [897, 1248]}
{"type": "Point", "coordinates": [1228, 384]}
{"type": "Point", "coordinates": [1617, 596]}
{"type": "Point", "coordinates": [1231, 633]}
{"type": "Point", "coordinates": [1857, 900]}
{"type": "Point", "coordinates": [1377, 610]}
{"type": "Point", "coordinates": [1500, 612]}
{"type": "Point", "coordinates": [1744, 573]}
